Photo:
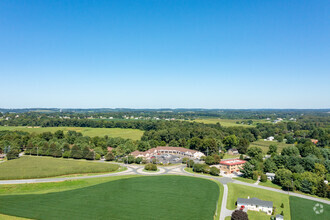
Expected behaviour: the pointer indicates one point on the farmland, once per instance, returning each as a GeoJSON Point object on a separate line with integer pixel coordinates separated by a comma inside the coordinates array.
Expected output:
{"type": "Point", "coordinates": [28, 167]}
{"type": "Point", "coordinates": [229, 122]}
{"type": "Point", "coordinates": [243, 191]}
{"type": "Point", "coordinates": [126, 133]}
{"type": "Point", "coordinates": [156, 197]}
{"type": "Point", "coordinates": [264, 145]}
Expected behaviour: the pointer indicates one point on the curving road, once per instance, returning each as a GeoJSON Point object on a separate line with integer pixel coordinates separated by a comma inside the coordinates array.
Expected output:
{"type": "Point", "coordinates": [174, 170]}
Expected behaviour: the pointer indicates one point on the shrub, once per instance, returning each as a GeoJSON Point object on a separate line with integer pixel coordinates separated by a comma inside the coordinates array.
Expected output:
{"type": "Point", "coordinates": [206, 168]}
{"type": "Point", "coordinates": [130, 159]}
{"type": "Point", "coordinates": [214, 171]}
{"type": "Point", "coordinates": [198, 168]}
{"type": "Point", "coordinates": [190, 163]}
{"type": "Point", "coordinates": [263, 178]}
{"type": "Point", "coordinates": [13, 154]}
{"type": "Point", "coordinates": [66, 154]}
{"type": "Point", "coordinates": [151, 167]}
{"type": "Point", "coordinates": [138, 160]}
{"type": "Point", "coordinates": [109, 156]}
{"type": "Point", "coordinates": [97, 156]}
{"type": "Point", "coordinates": [255, 175]}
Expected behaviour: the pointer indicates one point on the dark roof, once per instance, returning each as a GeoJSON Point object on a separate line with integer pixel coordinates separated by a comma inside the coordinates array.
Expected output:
{"type": "Point", "coordinates": [255, 201]}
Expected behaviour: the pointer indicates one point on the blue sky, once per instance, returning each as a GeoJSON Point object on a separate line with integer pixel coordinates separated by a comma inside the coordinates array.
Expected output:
{"type": "Point", "coordinates": [165, 54]}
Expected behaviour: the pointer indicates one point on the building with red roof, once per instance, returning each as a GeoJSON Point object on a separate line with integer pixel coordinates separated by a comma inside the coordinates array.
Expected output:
{"type": "Point", "coordinates": [231, 165]}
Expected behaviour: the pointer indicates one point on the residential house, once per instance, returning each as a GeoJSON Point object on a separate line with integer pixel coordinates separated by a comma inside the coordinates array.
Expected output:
{"type": "Point", "coordinates": [232, 151]}
{"type": "Point", "coordinates": [255, 204]}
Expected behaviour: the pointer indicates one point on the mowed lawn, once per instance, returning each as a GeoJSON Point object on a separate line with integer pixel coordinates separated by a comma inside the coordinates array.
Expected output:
{"type": "Point", "coordinates": [127, 133]}
{"type": "Point", "coordinates": [236, 190]}
{"type": "Point", "coordinates": [264, 145]}
{"type": "Point", "coordinates": [302, 209]}
{"type": "Point", "coordinates": [148, 197]}
{"type": "Point", "coordinates": [28, 167]}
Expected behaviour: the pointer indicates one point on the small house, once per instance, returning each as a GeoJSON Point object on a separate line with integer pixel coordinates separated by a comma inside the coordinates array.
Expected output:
{"type": "Point", "coordinates": [232, 151]}
{"type": "Point", "coordinates": [271, 138]}
{"type": "Point", "coordinates": [279, 217]}
{"type": "Point", "coordinates": [270, 176]}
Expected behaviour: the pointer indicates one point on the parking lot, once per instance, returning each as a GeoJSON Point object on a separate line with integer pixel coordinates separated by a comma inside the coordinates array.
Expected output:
{"type": "Point", "coordinates": [170, 158]}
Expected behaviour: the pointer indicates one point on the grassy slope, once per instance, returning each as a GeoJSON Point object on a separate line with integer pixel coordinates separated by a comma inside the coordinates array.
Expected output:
{"type": "Point", "coordinates": [152, 197]}
{"type": "Point", "coordinates": [302, 209]}
{"type": "Point", "coordinates": [244, 179]}
{"type": "Point", "coordinates": [38, 167]}
{"type": "Point", "coordinates": [242, 191]}
{"type": "Point", "coordinates": [190, 170]}
{"type": "Point", "coordinates": [264, 145]}
{"type": "Point", "coordinates": [270, 184]}
{"type": "Point", "coordinates": [217, 216]}
{"type": "Point", "coordinates": [133, 134]}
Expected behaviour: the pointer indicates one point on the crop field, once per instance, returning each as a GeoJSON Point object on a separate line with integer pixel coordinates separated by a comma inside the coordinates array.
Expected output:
{"type": "Point", "coordinates": [28, 167]}
{"type": "Point", "coordinates": [236, 190]}
{"type": "Point", "coordinates": [304, 209]}
{"type": "Point", "coordinates": [229, 122]}
{"type": "Point", "coordinates": [264, 145]}
{"type": "Point", "coordinates": [124, 197]}
{"type": "Point", "coordinates": [126, 133]}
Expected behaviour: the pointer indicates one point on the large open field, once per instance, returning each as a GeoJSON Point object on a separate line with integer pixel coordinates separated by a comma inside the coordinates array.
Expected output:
{"type": "Point", "coordinates": [264, 145]}
{"type": "Point", "coordinates": [28, 167]}
{"type": "Point", "coordinates": [229, 122]}
{"type": "Point", "coordinates": [126, 197]}
{"type": "Point", "coordinates": [236, 190]}
{"type": "Point", "coordinates": [133, 134]}
{"type": "Point", "coordinates": [303, 209]}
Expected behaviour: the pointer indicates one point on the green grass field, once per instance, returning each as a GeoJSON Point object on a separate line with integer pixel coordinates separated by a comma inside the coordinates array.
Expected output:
{"type": "Point", "coordinates": [133, 134]}
{"type": "Point", "coordinates": [149, 197]}
{"type": "Point", "coordinates": [270, 184]}
{"type": "Point", "coordinates": [302, 209]}
{"type": "Point", "coordinates": [28, 167]}
{"type": "Point", "coordinates": [264, 145]}
{"type": "Point", "coordinates": [236, 190]}
{"type": "Point", "coordinates": [229, 122]}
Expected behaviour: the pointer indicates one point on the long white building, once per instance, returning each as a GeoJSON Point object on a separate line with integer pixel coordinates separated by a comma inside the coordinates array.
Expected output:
{"type": "Point", "coordinates": [168, 150]}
